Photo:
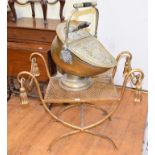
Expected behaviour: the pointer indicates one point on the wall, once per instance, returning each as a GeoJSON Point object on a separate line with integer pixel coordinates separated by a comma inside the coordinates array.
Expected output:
{"type": "Point", "coordinates": [122, 27]}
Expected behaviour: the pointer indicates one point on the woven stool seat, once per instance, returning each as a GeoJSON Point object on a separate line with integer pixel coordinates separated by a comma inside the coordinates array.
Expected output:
{"type": "Point", "coordinates": [102, 89]}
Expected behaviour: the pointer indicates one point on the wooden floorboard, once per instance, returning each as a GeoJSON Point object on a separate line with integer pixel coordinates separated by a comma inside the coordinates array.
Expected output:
{"type": "Point", "coordinates": [31, 129]}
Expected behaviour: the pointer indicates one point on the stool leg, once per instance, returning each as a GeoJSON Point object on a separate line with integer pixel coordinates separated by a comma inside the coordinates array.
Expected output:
{"type": "Point", "coordinates": [62, 137]}
{"type": "Point", "coordinates": [102, 136]}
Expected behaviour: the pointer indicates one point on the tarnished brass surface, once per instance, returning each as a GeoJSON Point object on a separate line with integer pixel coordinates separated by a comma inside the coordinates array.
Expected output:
{"type": "Point", "coordinates": [88, 56]}
{"type": "Point", "coordinates": [78, 67]}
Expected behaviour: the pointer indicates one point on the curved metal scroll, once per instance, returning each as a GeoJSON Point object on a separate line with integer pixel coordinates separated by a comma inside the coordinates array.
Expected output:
{"type": "Point", "coordinates": [135, 75]}
{"type": "Point", "coordinates": [78, 129]}
{"type": "Point", "coordinates": [34, 54]}
{"type": "Point", "coordinates": [127, 55]}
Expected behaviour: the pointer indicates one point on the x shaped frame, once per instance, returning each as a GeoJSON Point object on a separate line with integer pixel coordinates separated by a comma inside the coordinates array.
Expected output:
{"type": "Point", "coordinates": [134, 75]}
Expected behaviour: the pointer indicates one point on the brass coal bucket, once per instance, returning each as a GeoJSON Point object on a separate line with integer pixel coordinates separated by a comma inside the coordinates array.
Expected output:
{"type": "Point", "coordinates": [78, 54]}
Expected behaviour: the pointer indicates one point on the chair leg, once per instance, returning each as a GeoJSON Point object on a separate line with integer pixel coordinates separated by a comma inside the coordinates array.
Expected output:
{"type": "Point", "coordinates": [62, 3]}
{"type": "Point", "coordinates": [44, 9]}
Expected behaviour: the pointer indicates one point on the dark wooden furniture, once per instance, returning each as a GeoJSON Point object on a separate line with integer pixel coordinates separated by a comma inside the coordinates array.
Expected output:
{"type": "Point", "coordinates": [32, 30]}
{"type": "Point", "coordinates": [43, 3]}
{"type": "Point", "coordinates": [25, 36]}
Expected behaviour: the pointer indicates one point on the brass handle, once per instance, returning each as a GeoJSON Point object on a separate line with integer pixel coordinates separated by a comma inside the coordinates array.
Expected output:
{"type": "Point", "coordinates": [76, 6]}
{"type": "Point", "coordinates": [84, 4]}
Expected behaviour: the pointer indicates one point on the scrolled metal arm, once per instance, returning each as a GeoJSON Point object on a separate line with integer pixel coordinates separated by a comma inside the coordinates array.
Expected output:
{"type": "Point", "coordinates": [43, 59]}
{"type": "Point", "coordinates": [134, 75]}
{"type": "Point", "coordinates": [128, 56]}
{"type": "Point", "coordinates": [127, 67]}
{"type": "Point", "coordinates": [20, 76]}
{"type": "Point", "coordinates": [35, 71]}
{"type": "Point", "coordinates": [137, 84]}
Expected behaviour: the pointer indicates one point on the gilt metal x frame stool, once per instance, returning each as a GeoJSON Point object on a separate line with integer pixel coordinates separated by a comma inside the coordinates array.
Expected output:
{"type": "Point", "coordinates": [103, 91]}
